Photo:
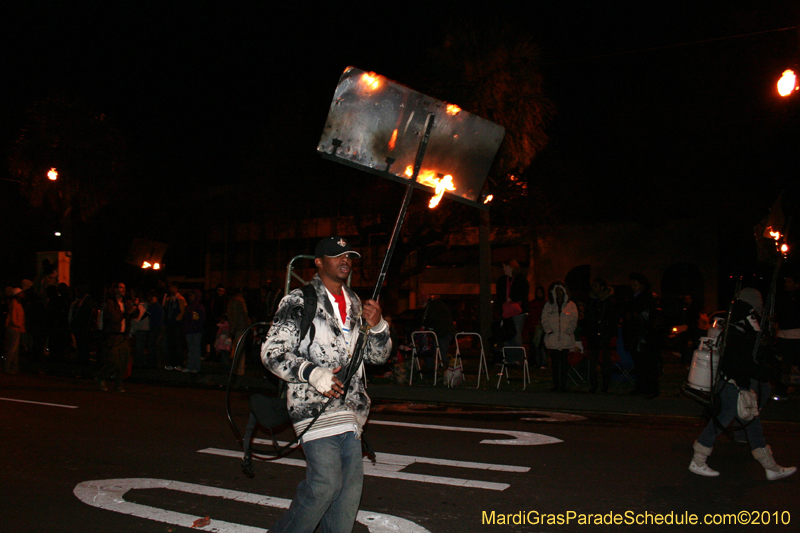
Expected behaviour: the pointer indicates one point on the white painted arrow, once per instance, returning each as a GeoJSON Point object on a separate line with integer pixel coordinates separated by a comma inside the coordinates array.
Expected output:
{"type": "Point", "coordinates": [389, 465]}
{"type": "Point", "coordinates": [521, 438]}
{"type": "Point", "coordinates": [109, 494]}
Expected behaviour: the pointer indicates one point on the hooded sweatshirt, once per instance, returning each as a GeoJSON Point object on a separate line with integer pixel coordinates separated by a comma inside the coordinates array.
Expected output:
{"type": "Point", "coordinates": [293, 359]}
{"type": "Point", "coordinates": [737, 361]}
{"type": "Point", "coordinates": [559, 321]}
{"type": "Point", "coordinates": [194, 315]}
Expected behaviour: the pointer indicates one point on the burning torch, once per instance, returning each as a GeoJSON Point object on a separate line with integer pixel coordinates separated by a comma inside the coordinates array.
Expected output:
{"type": "Point", "coordinates": [382, 127]}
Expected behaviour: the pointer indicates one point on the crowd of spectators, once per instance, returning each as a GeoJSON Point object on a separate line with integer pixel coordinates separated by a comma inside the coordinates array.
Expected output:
{"type": "Point", "coordinates": [588, 330]}
{"type": "Point", "coordinates": [111, 330]}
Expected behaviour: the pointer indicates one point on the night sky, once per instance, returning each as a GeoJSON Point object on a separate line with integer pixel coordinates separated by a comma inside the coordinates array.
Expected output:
{"type": "Point", "coordinates": [657, 105]}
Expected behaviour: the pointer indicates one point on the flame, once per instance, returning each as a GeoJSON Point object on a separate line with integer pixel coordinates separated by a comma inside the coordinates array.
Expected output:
{"type": "Point", "coordinates": [453, 109]}
{"type": "Point", "coordinates": [371, 80]}
{"type": "Point", "coordinates": [429, 178]}
{"type": "Point", "coordinates": [52, 174]}
{"type": "Point", "coordinates": [785, 248]}
{"type": "Point", "coordinates": [787, 83]}
{"type": "Point", "coordinates": [393, 140]}
{"type": "Point", "coordinates": [488, 199]}
{"type": "Point", "coordinates": [156, 266]}
{"type": "Point", "coordinates": [445, 184]}
{"type": "Point", "coordinates": [774, 234]}
{"type": "Point", "coordinates": [146, 265]}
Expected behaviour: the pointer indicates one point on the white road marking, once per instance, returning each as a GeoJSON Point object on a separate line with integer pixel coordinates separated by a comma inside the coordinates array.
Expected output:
{"type": "Point", "coordinates": [40, 403]}
{"type": "Point", "coordinates": [521, 438]}
{"type": "Point", "coordinates": [543, 416]}
{"type": "Point", "coordinates": [405, 460]}
{"type": "Point", "coordinates": [390, 465]}
{"type": "Point", "coordinates": [109, 494]}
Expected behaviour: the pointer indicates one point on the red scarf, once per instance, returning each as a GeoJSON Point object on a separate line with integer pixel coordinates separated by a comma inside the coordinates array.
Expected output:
{"type": "Point", "coordinates": [342, 306]}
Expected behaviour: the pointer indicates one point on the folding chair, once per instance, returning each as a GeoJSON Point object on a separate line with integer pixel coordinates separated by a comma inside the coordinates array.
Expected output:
{"type": "Point", "coordinates": [481, 362]}
{"type": "Point", "coordinates": [577, 362]}
{"type": "Point", "coordinates": [415, 353]}
{"type": "Point", "coordinates": [526, 375]}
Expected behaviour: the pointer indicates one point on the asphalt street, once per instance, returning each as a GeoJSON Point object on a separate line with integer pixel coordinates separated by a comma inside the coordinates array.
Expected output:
{"type": "Point", "coordinates": [159, 458]}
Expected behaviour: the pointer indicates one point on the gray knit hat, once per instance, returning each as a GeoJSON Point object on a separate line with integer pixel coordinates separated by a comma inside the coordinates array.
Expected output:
{"type": "Point", "coordinates": [753, 297]}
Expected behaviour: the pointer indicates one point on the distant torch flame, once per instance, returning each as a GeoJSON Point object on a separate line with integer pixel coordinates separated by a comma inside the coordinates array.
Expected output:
{"type": "Point", "coordinates": [785, 248]}
{"type": "Point", "coordinates": [371, 80]}
{"type": "Point", "coordinates": [156, 266]}
{"type": "Point", "coordinates": [787, 83]}
{"type": "Point", "coordinates": [488, 199]}
{"type": "Point", "coordinates": [146, 265]}
{"type": "Point", "coordinates": [775, 234]}
{"type": "Point", "coordinates": [393, 140]}
{"type": "Point", "coordinates": [453, 109]}
{"type": "Point", "coordinates": [440, 185]}
{"type": "Point", "coordinates": [52, 174]}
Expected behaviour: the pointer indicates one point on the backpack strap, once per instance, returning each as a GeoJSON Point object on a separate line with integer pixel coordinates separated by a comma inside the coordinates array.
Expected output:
{"type": "Point", "coordinates": [309, 311]}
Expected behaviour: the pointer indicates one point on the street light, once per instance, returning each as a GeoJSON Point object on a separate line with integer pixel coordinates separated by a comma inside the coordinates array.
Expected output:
{"type": "Point", "coordinates": [788, 83]}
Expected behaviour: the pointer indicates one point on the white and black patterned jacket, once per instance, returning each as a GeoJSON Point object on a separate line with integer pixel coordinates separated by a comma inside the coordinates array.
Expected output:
{"type": "Point", "coordinates": [292, 360]}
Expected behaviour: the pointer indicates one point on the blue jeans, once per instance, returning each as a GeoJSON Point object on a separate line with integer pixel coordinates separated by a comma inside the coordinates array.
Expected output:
{"type": "Point", "coordinates": [729, 397]}
{"type": "Point", "coordinates": [155, 347]}
{"type": "Point", "coordinates": [194, 342]}
{"type": "Point", "coordinates": [331, 492]}
{"type": "Point", "coordinates": [140, 346]}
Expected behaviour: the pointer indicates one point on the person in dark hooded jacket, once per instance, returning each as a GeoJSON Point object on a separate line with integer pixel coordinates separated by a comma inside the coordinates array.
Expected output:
{"type": "Point", "coordinates": [559, 321]}
{"type": "Point", "coordinates": [194, 317]}
{"type": "Point", "coordinates": [643, 335]}
{"type": "Point", "coordinates": [600, 327]}
{"type": "Point", "coordinates": [741, 371]}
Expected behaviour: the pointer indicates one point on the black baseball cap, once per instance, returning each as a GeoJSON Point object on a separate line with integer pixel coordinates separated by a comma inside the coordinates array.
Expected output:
{"type": "Point", "coordinates": [334, 247]}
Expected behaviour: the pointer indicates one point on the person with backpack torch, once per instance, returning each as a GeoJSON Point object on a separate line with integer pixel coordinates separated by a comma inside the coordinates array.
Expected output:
{"type": "Point", "coordinates": [331, 492]}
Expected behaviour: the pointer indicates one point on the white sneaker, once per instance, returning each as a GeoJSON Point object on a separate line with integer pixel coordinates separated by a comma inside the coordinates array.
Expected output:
{"type": "Point", "coordinates": [774, 471]}
{"type": "Point", "coordinates": [702, 470]}
{"type": "Point", "coordinates": [781, 473]}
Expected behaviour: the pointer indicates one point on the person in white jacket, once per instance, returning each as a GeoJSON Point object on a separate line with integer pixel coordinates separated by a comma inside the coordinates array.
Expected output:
{"type": "Point", "coordinates": [559, 321]}
{"type": "Point", "coordinates": [331, 492]}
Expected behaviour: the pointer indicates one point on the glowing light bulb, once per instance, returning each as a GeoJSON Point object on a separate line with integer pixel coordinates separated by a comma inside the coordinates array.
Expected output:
{"type": "Point", "coordinates": [787, 83]}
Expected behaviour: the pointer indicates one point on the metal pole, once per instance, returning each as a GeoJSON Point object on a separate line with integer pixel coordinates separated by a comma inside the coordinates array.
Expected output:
{"type": "Point", "coordinates": [290, 272]}
{"type": "Point", "coordinates": [485, 270]}
{"type": "Point", "coordinates": [423, 145]}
